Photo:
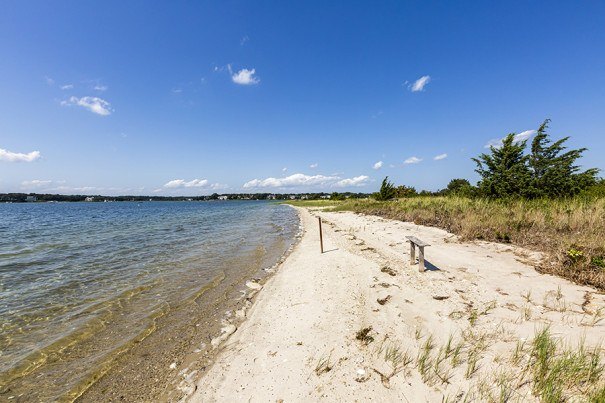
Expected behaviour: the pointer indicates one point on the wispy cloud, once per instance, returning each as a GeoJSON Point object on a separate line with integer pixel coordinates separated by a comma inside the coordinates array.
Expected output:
{"type": "Point", "coordinates": [99, 87]}
{"type": "Point", "coordinates": [419, 84]}
{"type": "Point", "coordinates": [377, 165]}
{"type": "Point", "coordinates": [49, 80]}
{"type": "Point", "coordinates": [36, 183]}
{"type": "Point", "coordinates": [244, 39]}
{"type": "Point", "coordinates": [302, 180]}
{"type": "Point", "coordinates": [181, 183]}
{"type": "Point", "coordinates": [524, 135]}
{"type": "Point", "coordinates": [291, 181]}
{"type": "Point", "coordinates": [412, 160]}
{"type": "Point", "coordinates": [284, 169]}
{"type": "Point", "coordinates": [440, 157]}
{"type": "Point", "coordinates": [10, 156]}
{"type": "Point", "coordinates": [497, 143]}
{"type": "Point", "coordinates": [356, 181]}
{"type": "Point", "coordinates": [313, 166]}
{"type": "Point", "coordinates": [219, 186]}
{"type": "Point", "coordinates": [67, 87]}
{"type": "Point", "coordinates": [93, 104]}
{"type": "Point", "coordinates": [244, 76]}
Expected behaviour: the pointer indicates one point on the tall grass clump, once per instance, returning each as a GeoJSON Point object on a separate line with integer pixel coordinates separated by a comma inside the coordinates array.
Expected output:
{"type": "Point", "coordinates": [571, 232]}
{"type": "Point", "coordinates": [557, 373]}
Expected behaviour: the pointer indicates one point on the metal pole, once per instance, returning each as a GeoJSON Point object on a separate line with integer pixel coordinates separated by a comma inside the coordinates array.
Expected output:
{"type": "Point", "coordinates": [321, 239]}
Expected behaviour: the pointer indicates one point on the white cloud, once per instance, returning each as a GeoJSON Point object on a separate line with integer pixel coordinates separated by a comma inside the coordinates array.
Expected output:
{"type": "Point", "coordinates": [291, 181]}
{"type": "Point", "coordinates": [67, 87]}
{"type": "Point", "coordinates": [219, 186]}
{"type": "Point", "coordinates": [440, 157]}
{"type": "Point", "coordinates": [412, 160]}
{"type": "Point", "coordinates": [356, 181]}
{"type": "Point", "coordinates": [524, 135]}
{"type": "Point", "coordinates": [100, 87]}
{"type": "Point", "coordinates": [180, 183]}
{"type": "Point", "coordinates": [420, 84]}
{"type": "Point", "coordinates": [244, 39]}
{"type": "Point", "coordinates": [497, 143]}
{"type": "Point", "coordinates": [10, 156]}
{"type": "Point", "coordinates": [313, 166]}
{"type": "Point", "coordinates": [49, 81]}
{"type": "Point", "coordinates": [298, 180]}
{"type": "Point", "coordinates": [377, 165]}
{"type": "Point", "coordinates": [36, 183]}
{"type": "Point", "coordinates": [284, 169]}
{"type": "Point", "coordinates": [244, 77]}
{"type": "Point", "coordinates": [93, 104]}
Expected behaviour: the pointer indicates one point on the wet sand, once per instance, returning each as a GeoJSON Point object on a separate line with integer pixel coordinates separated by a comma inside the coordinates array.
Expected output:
{"type": "Point", "coordinates": [164, 365]}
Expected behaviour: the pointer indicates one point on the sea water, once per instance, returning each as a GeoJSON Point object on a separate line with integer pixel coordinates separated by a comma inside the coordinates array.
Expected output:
{"type": "Point", "coordinates": [78, 281]}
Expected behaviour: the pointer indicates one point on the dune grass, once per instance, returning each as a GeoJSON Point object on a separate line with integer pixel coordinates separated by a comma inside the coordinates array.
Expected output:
{"type": "Point", "coordinates": [571, 232]}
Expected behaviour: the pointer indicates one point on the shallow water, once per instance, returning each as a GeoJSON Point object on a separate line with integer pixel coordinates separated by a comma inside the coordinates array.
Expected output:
{"type": "Point", "coordinates": [79, 281]}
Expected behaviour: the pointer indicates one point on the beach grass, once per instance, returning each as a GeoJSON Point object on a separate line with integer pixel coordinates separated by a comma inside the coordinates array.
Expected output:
{"type": "Point", "coordinates": [570, 232]}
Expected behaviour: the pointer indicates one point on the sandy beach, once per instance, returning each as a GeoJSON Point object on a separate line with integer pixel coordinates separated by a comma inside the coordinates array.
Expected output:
{"type": "Point", "coordinates": [360, 323]}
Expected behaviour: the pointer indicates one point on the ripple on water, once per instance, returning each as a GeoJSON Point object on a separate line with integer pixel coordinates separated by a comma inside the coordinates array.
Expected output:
{"type": "Point", "coordinates": [81, 282]}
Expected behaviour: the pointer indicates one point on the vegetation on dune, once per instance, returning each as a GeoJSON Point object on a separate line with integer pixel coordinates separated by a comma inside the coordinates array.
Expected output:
{"type": "Point", "coordinates": [570, 231]}
{"type": "Point", "coordinates": [537, 198]}
{"type": "Point", "coordinates": [548, 170]}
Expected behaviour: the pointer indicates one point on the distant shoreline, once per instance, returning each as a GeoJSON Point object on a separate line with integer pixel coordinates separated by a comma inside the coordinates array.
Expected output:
{"type": "Point", "coordinates": [44, 197]}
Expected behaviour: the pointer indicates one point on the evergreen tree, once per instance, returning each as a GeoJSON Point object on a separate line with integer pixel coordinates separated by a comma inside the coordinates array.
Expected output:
{"type": "Point", "coordinates": [387, 190]}
{"type": "Point", "coordinates": [504, 172]}
{"type": "Point", "coordinates": [405, 191]}
{"type": "Point", "coordinates": [459, 187]}
{"type": "Point", "coordinates": [554, 170]}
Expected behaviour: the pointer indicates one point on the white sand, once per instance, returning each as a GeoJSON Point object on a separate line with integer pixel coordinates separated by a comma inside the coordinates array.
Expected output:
{"type": "Point", "coordinates": [314, 305]}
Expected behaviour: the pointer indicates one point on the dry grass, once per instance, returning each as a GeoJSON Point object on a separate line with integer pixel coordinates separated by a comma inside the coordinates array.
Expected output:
{"type": "Point", "coordinates": [571, 232]}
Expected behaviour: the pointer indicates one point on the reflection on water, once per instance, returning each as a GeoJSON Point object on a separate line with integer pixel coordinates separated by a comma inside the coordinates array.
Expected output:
{"type": "Point", "coordinates": [79, 281]}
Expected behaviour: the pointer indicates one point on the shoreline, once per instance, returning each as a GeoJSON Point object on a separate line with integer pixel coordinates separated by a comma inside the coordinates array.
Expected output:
{"type": "Point", "coordinates": [205, 322]}
{"type": "Point", "coordinates": [303, 337]}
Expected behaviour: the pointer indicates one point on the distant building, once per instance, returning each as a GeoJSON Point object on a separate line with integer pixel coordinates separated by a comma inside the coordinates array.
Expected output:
{"type": "Point", "coordinates": [271, 197]}
{"type": "Point", "coordinates": [31, 198]}
{"type": "Point", "coordinates": [223, 197]}
{"type": "Point", "coordinates": [325, 196]}
{"type": "Point", "coordinates": [89, 199]}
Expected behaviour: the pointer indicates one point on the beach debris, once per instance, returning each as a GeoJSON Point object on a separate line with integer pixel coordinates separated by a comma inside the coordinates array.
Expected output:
{"type": "Point", "coordinates": [225, 333]}
{"type": "Point", "coordinates": [384, 285]}
{"type": "Point", "coordinates": [384, 300]}
{"type": "Point", "coordinates": [388, 270]}
{"type": "Point", "coordinates": [173, 365]}
{"type": "Point", "coordinates": [323, 365]}
{"type": "Point", "coordinates": [362, 375]}
{"type": "Point", "coordinates": [363, 335]}
{"type": "Point", "coordinates": [253, 285]}
{"type": "Point", "coordinates": [440, 297]}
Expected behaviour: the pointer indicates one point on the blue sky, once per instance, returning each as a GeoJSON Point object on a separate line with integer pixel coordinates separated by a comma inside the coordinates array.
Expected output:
{"type": "Point", "coordinates": [186, 98]}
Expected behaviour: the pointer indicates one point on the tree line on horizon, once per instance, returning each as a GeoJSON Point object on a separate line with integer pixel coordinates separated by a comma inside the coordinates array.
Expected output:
{"type": "Point", "coordinates": [547, 170]}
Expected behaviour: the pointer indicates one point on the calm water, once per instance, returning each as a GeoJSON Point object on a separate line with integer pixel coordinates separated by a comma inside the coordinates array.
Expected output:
{"type": "Point", "coordinates": [85, 278]}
